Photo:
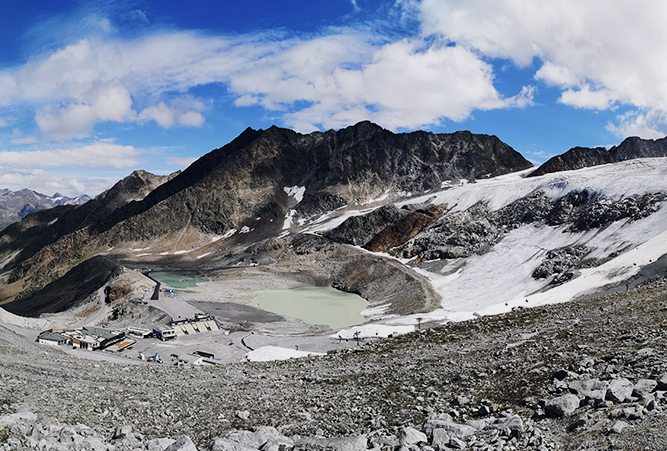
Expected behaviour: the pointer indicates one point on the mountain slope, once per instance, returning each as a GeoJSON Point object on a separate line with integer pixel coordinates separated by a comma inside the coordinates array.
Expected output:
{"type": "Point", "coordinates": [258, 181]}
{"type": "Point", "coordinates": [45, 227]}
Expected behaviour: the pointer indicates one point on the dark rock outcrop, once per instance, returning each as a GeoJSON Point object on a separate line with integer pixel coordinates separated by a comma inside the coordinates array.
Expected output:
{"type": "Point", "coordinates": [561, 264]}
{"type": "Point", "coordinates": [584, 157]}
{"type": "Point", "coordinates": [404, 228]}
{"type": "Point", "coordinates": [359, 230]}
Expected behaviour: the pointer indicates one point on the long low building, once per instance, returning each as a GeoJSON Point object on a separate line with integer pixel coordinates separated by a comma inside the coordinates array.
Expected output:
{"type": "Point", "coordinates": [53, 338]}
{"type": "Point", "coordinates": [198, 324]}
{"type": "Point", "coordinates": [88, 337]}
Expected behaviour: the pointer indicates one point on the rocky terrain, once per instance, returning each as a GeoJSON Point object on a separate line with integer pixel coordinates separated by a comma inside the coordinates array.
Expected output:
{"type": "Point", "coordinates": [16, 205]}
{"type": "Point", "coordinates": [585, 157]}
{"type": "Point", "coordinates": [588, 374]}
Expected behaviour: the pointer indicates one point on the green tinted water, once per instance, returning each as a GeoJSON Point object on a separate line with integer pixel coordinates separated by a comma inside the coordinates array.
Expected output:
{"type": "Point", "coordinates": [175, 280]}
{"type": "Point", "coordinates": [314, 305]}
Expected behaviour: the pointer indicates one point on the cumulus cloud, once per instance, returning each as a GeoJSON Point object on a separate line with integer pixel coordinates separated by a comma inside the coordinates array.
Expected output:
{"type": "Point", "coordinates": [342, 76]}
{"type": "Point", "coordinates": [601, 53]}
{"type": "Point", "coordinates": [635, 123]}
{"type": "Point", "coordinates": [98, 154]}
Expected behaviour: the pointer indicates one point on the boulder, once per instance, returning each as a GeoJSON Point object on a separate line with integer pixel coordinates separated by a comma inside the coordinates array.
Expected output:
{"type": "Point", "coordinates": [589, 389]}
{"type": "Point", "coordinates": [440, 438]}
{"type": "Point", "coordinates": [512, 425]}
{"type": "Point", "coordinates": [411, 436]}
{"type": "Point", "coordinates": [618, 427]}
{"type": "Point", "coordinates": [644, 387]}
{"type": "Point", "coordinates": [561, 406]}
{"type": "Point", "coordinates": [182, 443]}
{"type": "Point", "coordinates": [353, 443]}
{"type": "Point", "coordinates": [244, 440]}
{"type": "Point", "coordinates": [159, 444]}
{"type": "Point", "coordinates": [452, 429]}
{"type": "Point", "coordinates": [619, 390]}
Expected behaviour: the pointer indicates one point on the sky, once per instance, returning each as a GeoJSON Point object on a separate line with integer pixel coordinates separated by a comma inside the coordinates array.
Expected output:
{"type": "Point", "coordinates": [91, 91]}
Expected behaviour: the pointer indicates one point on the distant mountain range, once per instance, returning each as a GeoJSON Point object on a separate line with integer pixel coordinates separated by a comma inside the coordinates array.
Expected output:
{"type": "Point", "coordinates": [15, 205]}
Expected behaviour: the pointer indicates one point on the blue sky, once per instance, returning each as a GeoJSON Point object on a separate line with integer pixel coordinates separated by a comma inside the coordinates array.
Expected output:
{"type": "Point", "coordinates": [90, 91]}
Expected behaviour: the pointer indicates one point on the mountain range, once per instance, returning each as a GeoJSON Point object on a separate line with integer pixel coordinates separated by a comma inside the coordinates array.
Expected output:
{"type": "Point", "coordinates": [445, 226]}
{"type": "Point", "coordinates": [16, 205]}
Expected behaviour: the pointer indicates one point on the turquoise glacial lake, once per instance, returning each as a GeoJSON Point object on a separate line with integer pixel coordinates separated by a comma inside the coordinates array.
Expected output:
{"type": "Point", "coordinates": [175, 280]}
{"type": "Point", "coordinates": [314, 305]}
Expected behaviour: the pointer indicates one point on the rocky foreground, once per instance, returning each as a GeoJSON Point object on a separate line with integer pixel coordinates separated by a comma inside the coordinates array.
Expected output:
{"type": "Point", "coordinates": [588, 374]}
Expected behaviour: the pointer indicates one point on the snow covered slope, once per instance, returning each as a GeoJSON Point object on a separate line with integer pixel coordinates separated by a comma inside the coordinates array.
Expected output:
{"type": "Point", "coordinates": [502, 278]}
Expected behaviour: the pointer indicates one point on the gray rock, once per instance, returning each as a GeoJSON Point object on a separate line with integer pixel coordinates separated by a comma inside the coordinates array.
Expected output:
{"type": "Point", "coordinates": [633, 413]}
{"type": "Point", "coordinates": [456, 443]}
{"type": "Point", "coordinates": [451, 428]}
{"type": "Point", "coordinates": [644, 387]}
{"type": "Point", "coordinates": [440, 438]}
{"type": "Point", "coordinates": [182, 443]}
{"type": "Point", "coordinates": [223, 444]}
{"type": "Point", "coordinates": [411, 436]}
{"type": "Point", "coordinates": [589, 389]}
{"type": "Point", "coordinates": [618, 427]}
{"type": "Point", "coordinates": [619, 390]}
{"type": "Point", "coordinates": [662, 383]}
{"type": "Point", "coordinates": [243, 414]}
{"type": "Point", "coordinates": [561, 406]}
{"type": "Point", "coordinates": [513, 424]}
{"type": "Point", "coordinates": [354, 443]}
{"type": "Point", "coordinates": [122, 432]}
{"type": "Point", "coordinates": [242, 440]}
{"type": "Point", "coordinates": [159, 444]}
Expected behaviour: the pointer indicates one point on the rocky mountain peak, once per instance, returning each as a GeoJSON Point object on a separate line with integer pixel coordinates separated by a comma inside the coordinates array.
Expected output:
{"type": "Point", "coordinates": [584, 157]}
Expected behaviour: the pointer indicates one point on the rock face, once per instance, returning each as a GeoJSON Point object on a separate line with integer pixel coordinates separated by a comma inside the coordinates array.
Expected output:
{"type": "Point", "coordinates": [405, 228]}
{"type": "Point", "coordinates": [584, 157]}
{"type": "Point", "coordinates": [250, 183]}
{"type": "Point", "coordinates": [359, 230]}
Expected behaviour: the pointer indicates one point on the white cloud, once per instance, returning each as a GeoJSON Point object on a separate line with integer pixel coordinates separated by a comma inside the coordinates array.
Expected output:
{"type": "Point", "coordinates": [407, 86]}
{"type": "Point", "coordinates": [47, 183]}
{"type": "Point", "coordinates": [98, 154]}
{"type": "Point", "coordinates": [182, 162]}
{"type": "Point", "coordinates": [345, 76]}
{"type": "Point", "coordinates": [645, 125]}
{"type": "Point", "coordinates": [599, 52]}
{"type": "Point", "coordinates": [191, 118]}
{"type": "Point", "coordinates": [161, 114]}
{"type": "Point", "coordinates": [2, 123]}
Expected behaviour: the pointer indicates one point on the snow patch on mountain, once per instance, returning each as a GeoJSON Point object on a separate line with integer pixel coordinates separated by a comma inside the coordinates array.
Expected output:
{"type": "Point", "coordinates": [296, 192]}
